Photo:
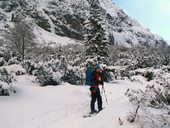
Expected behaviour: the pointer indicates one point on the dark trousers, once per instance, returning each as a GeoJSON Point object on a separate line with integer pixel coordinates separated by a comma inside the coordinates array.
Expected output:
{"type": "Point", "coordinates": [96, 96]}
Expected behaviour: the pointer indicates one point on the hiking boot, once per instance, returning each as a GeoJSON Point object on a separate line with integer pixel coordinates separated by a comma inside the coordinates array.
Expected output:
{"type": "Point", "coordinates": [100, 109]}
{"type": "Point", "coordinates": [93, 111]}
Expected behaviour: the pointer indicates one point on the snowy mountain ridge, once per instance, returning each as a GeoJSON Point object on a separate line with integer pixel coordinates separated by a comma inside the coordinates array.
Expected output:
{"type": "Point", "coordinates": [65, 18]}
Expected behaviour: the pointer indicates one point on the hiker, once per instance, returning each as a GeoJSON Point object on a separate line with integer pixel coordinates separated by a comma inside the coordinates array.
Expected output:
{"type": "Point", "coordinates": [96, 80]}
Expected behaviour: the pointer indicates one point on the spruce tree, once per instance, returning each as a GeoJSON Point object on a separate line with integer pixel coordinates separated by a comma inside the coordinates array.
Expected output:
{"type": "Point", "coordinates": [96, 43]}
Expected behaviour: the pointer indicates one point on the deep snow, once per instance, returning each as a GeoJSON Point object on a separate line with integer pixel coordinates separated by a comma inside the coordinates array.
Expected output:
{"type": "Point", "coordinates": [63, 106]}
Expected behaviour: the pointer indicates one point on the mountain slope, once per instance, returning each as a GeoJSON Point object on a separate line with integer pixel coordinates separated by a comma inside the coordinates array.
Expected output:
{"type": "Point", "coordinates": [65, 18]}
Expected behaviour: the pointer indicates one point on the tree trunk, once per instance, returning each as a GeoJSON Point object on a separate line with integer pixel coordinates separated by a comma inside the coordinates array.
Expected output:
{"type": "Point", "coordinates": [23, 49]}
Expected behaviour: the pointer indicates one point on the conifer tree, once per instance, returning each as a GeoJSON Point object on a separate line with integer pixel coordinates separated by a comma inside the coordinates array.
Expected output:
{"type": "Point", "coordinates": [96, 42]}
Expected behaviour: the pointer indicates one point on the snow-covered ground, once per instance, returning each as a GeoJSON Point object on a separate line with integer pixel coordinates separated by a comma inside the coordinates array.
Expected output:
{"type": "Point", "coordinates": [63, 106]}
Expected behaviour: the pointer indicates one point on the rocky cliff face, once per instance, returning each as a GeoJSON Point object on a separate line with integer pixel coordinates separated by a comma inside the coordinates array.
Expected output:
{"type": "Point", "coordinates": [66, 17]}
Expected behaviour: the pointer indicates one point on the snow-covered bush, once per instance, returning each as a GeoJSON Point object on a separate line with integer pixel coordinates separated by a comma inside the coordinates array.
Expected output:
{"type": "Point", "coordinates": [107, 74]}
{"type": "Point", "coordinates": [46, 76]}
{"type": "Point", "coordinates": [30, 67]}
{"type": "Point", "coordinates": [13, 61]}
{"type": "Point", "coordinates": [16, 69]}
{"type": "Point", "coordinates": [157, 92]}
{"type": "Point", "coordinates": [148, 74]}
{"type": "Point", "coordinates": [59, 59]}
{"type": "Point", "coordinates": [147, 117]}
{"type": "Point", "coordinates": [118, 72]}
{"type": "Point", "coordinates": [73, 75]}
{"type": "Point", "coordinates": [7, 76]}
{"type": "Point", "coordinates": [3, 91]}
{"type": "Point", "coordinates": [62, 62]}
{"type": "Point", "coordinates": [153, 102]}
{"type": "Point", "coordinates": [47, 72]}
{"type": "Point", "coordinates": [140, 56]}
{"type": "Point", "coordinates": [2, 61]}
{"type": "Point", "coordinates": [152, 97]}
{"type": "Point", "coordinates": [152, 107]}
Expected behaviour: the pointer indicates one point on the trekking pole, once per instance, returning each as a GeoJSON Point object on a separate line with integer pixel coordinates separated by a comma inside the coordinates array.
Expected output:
{"type": "Point", "coordinates": [105, 94]}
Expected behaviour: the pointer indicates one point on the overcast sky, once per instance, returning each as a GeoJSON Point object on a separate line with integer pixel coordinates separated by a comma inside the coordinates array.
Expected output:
{"type": "Point", "coordinates": [153, 14]}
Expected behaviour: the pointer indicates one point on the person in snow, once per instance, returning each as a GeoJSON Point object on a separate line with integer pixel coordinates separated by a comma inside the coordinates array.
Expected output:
{"type": "Point", "coordinates": [96, 80]}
